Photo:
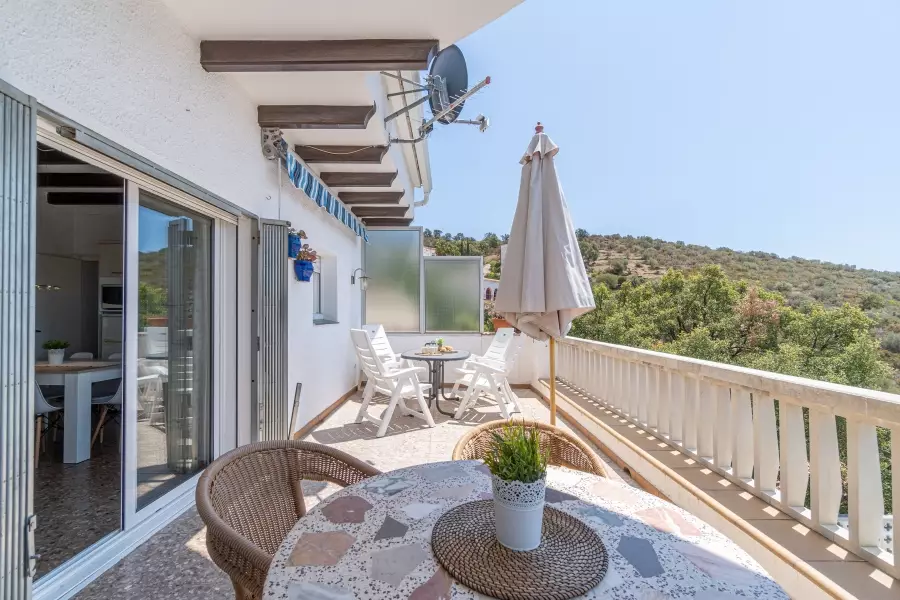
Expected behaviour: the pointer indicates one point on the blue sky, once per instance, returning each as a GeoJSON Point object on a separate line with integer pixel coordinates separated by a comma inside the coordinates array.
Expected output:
{"type": "Point", "coordinates": [765, 125]}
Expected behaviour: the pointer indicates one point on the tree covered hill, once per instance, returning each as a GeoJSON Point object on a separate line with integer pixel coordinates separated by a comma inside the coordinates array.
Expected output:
{"type": "Point", "coordinates": [802, 283]}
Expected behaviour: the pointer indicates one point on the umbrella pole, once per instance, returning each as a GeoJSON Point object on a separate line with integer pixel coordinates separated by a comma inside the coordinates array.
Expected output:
{"type": "Point", "coordinates": [552, 381]}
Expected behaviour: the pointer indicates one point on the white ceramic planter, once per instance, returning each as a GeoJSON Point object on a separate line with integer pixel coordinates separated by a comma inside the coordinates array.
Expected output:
{"type": "Point", "coordinates": [519, 512]}
{"type": "Point", "coordinates": [55, 357]}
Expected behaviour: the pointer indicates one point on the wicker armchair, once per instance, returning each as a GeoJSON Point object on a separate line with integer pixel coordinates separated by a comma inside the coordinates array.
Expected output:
{"type": "Point", "coordinates": [565, 450]}
{"type": "Point", "coordinates": [250, 498]}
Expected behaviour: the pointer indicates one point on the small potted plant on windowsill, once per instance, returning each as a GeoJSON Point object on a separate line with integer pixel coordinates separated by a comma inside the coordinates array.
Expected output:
{"type": "Point", "coordinates": [519, 478]}
{"type": "Point", "coordinates": [56, 351]}
{"type": "Point", "coordinates": [303, 265]}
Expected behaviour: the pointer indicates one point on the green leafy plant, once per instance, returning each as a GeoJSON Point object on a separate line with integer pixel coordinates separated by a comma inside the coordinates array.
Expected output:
{"type": "Point", "coordinates": [515, 454]}
{"type": "Point", "coordinates": [440, 342]}
{"type": "Point", "coordinates": [55, 345]}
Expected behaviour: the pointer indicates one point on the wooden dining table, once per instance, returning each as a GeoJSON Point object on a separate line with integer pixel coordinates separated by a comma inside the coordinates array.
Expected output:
{"type": "Point", "coordinates": [77, 377]}
{"type": "Point", "coordinates": [372, 540]}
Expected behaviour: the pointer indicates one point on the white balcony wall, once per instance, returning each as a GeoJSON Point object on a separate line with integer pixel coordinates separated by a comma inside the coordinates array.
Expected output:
{"type": "Point", "coordinates": [126, 69]}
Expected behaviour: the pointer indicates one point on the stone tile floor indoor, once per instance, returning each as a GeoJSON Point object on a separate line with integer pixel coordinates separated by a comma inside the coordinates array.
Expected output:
{"type": "Point", "coordinates": [174, 562]}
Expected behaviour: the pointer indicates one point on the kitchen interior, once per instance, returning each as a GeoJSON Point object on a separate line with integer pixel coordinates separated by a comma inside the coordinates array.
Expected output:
{"type": "Point", "coordinates": [79, 346]}
{"type": "Point", "coordinates": [79, 305]}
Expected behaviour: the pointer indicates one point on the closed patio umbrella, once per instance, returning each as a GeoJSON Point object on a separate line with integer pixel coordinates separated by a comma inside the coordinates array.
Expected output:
{"type": "Point", "coordinates": [543, 283]}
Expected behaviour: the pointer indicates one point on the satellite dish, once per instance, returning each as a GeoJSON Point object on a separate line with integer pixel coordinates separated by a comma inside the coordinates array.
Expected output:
{"type": "Point", "coordinates": [449, 78]}
{"type": "Point", "coordinates": [446, 90]}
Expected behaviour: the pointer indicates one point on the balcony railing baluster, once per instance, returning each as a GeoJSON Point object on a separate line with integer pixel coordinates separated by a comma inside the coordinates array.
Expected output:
{"type": "Point", "coordinates": [665, 401]}
{"type": "Point", "coordinates": [652, 397]}
{"type": "Point", "coordinates": [765, 444]}
{"type": "Point", "coordinates": [865, 501]}
{"type": "Point", "coordinates": [742, 428]}
{"type": "Point", "coordinates": [706, 420]}
{"type": "Point", "coordinates": [691, 413]}
{"type": "Point", "coordinates": [676, 406]}
{"type": "Point", "coordinates": [724, 441]}
{"type": "Point", "coordinates": [794, 465]}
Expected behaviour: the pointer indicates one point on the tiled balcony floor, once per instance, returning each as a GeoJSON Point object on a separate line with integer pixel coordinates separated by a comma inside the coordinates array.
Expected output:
{"type": "Point", "coordinates": [174, 562]}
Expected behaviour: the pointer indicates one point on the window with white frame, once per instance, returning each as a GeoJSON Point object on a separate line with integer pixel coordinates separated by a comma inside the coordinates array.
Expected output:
{"type": "Point", "coordinates": [324, 289]}
{"type": "Point", "coordinates": [317, 291]}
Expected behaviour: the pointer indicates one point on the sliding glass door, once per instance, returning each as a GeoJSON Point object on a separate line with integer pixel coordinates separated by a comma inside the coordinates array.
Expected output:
{"type": "Point", "coordinates": [174, 346]}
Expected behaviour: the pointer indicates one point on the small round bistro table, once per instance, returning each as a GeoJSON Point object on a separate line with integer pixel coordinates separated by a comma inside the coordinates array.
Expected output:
{"type": "Point", "coordinates": [372, 540]}
{"type": "Point", "coordinates": [436, 364]}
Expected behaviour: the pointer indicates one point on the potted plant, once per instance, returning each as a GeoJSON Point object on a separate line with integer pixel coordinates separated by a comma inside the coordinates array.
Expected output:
{"type": "Point", "coordinates": [497, 319]}
{"type": "Point", "coordinates": [294, 242]}
{"type": "Point", "coordinates": [303, 265]}
{"type": "Point", "coordinates": [440, 343]}
{"type": "Point", "coordinates": [519, 478]}
{"type": "Point", "coordinates": [56, 351]}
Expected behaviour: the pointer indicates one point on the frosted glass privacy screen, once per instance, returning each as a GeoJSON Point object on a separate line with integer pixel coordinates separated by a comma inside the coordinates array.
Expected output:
{"type": "Point", "coordinates": [392, 258]}
{"type": "Point", "coordinates": [453, 294]}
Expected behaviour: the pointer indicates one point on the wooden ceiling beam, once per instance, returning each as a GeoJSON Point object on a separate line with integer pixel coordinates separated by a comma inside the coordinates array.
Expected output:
{"type": "Point", "coordinates": [387, 222]}
{"type": "Point", "coordinates": [379, 211]}
{"type": "Point", "coordinates": [351, 179]}
{"type": "Point", "coordinates": [249, 56]}
{"type": "Point", "coordinates": [356, 198]}
{"type": "Point", "coordinates": [314, 116]}
{"type": "Point", "coordinates": [342, 154]}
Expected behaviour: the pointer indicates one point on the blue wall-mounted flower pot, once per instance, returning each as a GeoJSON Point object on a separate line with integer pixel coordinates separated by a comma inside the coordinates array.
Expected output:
{"type": "Point", "coordinates": [303, 269]}
{"type": "Point", "coordinates": [294, 244]}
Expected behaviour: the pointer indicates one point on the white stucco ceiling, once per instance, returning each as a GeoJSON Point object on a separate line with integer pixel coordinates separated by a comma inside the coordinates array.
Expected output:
{"type": "Point", "coordinates": [341, 19]}
{"type": "Point", "coordinates": [445, 21]}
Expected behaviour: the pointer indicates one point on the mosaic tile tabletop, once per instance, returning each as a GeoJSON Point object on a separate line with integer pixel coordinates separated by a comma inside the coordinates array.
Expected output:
{"type": "Point", "coordinates": [373, 540]}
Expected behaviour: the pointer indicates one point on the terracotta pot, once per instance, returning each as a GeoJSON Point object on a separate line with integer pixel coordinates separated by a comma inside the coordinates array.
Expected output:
{"type": "Point", "coordinates": [499, 323]}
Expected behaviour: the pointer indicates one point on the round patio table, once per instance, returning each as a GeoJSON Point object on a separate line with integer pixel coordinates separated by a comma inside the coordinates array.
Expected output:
{"type": "Point", "coordinates": [373, 540]}
{"type": "Point", "coordinates": [436, 364]}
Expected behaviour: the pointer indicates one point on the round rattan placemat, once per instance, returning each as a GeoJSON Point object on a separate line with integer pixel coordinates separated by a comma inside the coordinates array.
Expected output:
{"type": "Point", "coordinates": [570, 561]}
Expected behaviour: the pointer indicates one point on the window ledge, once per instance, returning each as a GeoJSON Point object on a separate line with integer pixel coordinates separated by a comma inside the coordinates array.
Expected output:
{"type": "Point", "coordinates": [324, 322]}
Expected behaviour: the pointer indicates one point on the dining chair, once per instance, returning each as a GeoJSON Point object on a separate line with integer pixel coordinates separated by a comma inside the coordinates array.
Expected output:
{"type": "Point", "coordinates": [397, 383]}
{"type": "Point", "coordinates": [110, 406]}
{"type": "Point", "coordinates": [563, 449]}
{"type": "Point", "coordinates": [114, 356]}
{"type": "Point", "coordinates": [82, 356]}
{"type": "Point", "coordinates": [251, 498]}
{"type": "Point", "coordinates": [42, 408]}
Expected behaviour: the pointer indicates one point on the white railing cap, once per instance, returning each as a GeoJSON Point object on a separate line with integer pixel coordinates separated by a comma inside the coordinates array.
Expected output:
{"type": "Point", "coordinates": [882, 408]}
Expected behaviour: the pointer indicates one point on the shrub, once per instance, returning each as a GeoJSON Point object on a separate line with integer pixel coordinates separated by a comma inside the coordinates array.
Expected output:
{"type": "Point", "coordinates": [891, 343]}
{"type": "Point", "coordinates": [618, 266]}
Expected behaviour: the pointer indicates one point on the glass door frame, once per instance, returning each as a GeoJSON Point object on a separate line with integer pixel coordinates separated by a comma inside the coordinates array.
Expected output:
{"type": "Point", "coordinates": [223, 296]}
{"type": "Point", "coordinates": [136, 526]}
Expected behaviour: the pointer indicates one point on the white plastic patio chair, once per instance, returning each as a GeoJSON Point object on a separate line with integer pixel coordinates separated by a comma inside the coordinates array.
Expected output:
{"type": "Point", "coordinates": [82, 356]}
{"type": "Point", "coordinates": [382, 346]}
{"type": "Point", "coordinates": [489, 375]}
{"type": "Point", "coordinates": [385, 377]}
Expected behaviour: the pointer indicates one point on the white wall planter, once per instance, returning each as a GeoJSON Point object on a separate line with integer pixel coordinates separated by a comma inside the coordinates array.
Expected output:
{"type": "Point", "coordinates": [55, 357]}
{"type": "Point", "coordinates": [519, 512]}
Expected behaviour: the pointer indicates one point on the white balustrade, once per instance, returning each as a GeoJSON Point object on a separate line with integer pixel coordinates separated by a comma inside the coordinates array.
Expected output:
{"type": "Point", "coordinates": [751, 427]}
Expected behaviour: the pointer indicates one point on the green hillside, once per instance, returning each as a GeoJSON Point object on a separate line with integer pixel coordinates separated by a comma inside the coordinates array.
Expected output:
{"type": "Point", "coordinates": [802, 283]}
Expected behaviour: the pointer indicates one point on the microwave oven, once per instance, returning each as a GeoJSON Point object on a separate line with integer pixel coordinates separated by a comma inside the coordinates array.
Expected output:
{"type": "Point", "coordinates": [111, 296]}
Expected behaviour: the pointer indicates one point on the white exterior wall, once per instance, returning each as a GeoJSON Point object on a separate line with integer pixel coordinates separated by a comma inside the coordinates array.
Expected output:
{"type": "Point", "coordinates": [125, 69]}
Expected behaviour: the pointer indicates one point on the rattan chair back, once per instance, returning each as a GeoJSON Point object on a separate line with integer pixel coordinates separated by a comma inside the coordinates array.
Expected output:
{"type": "Point", "coordinates": [251, 497]}
{"type": "Point", "coordinates": [563, 448]}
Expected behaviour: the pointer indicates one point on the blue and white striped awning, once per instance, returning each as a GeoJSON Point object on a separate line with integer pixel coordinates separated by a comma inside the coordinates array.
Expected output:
{"type": "Point", "coordinates": [306, 181]}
